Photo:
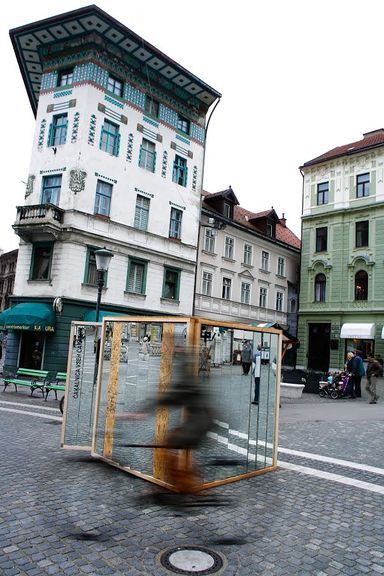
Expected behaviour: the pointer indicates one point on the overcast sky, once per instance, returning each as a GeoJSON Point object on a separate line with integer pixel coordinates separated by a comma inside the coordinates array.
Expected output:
{"type": "Point", "coordinates": [297, 78]}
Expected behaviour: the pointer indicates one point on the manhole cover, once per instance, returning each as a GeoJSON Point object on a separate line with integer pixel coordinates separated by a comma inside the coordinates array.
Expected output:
{"type": "Point", "coordinates": [191, 560]}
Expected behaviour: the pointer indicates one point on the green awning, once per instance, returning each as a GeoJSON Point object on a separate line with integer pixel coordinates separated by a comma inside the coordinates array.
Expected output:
{"type": "Point", "coordinates": [28, 316]}
{"type": "Point", "coordinates": [90, 316]}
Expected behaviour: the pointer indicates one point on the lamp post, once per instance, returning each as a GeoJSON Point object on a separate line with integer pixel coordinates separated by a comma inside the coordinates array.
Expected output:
{"type": "Point", "coordinates": [103, 259]}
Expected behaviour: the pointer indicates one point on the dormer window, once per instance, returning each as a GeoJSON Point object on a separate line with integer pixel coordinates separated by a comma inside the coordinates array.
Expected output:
{"type": "Point", "coordinates": [270, 230]}
{"type": "Point", "coordinates": [227, 210]}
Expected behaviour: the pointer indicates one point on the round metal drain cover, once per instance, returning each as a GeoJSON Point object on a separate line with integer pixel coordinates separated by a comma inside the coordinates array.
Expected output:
{"type": "Point", "coordinates": [191, 560]}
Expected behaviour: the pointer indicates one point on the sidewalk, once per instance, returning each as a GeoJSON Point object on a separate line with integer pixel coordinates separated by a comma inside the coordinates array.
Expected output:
{"type": "Point", "coordinates": [63, 513]}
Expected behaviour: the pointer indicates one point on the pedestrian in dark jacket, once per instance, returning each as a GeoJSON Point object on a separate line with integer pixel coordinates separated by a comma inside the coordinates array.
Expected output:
{"type": "Point", "coordinates": [374, 370]}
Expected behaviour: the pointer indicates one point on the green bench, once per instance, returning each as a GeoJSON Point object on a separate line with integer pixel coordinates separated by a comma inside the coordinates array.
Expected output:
{"type": "Point", "coordinates": [54, 384]}
{"type": "Point", "coordinates": [27, 377]}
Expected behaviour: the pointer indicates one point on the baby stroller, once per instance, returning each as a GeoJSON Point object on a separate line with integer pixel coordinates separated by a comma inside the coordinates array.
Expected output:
{"type": "Point", "coordinates": [341, 382]}
{"type": "Point", "coordinates": [336, 385]}
{"type": "Point", "coordinates": [328, 388]}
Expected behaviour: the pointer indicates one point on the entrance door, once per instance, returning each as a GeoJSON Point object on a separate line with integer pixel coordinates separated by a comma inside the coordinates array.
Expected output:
{"type": "Point", "coordinates": [319, 339]}
{"type": "Point", "coordinates": [31, 351]}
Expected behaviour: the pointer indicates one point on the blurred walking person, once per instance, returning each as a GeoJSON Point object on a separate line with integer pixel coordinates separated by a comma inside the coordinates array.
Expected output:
{"type": "Point", "coordinates": [374, 370]}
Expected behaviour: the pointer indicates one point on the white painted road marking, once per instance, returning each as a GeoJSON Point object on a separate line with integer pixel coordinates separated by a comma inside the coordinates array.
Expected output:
{"type": "Point", "coordinates": [6, 402]}
{"type": "Point", "coordinates": [14, 411]}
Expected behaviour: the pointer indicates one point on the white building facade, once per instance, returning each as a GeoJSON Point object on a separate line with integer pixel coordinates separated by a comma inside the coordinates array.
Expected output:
{"type": "Point", "coordinates": [248, 264]}
{"type": "Point", "coordinates": [117, 162]}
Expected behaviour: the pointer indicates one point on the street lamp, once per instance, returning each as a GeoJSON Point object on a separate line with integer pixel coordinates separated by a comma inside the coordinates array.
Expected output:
{"type": "Point", "coordinates": [103, 258]}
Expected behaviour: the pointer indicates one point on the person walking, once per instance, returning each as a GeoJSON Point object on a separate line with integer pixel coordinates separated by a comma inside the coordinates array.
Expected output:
{"type": "Point", "coordinates": [246, 356]}
{"type": "Point", "coordinates": [374, 370]}
{"type": "Point", "coordinates": [352, 368]}
{"type": "Point", "coordinates": [360, 372]}
{"type": "Point", "coordinates": [256, 370]}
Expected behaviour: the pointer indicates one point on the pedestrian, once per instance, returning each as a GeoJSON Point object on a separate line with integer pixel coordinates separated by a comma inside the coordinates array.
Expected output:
{"type": "Point", "coordinates": [351, 367]}
{"type": "Point", "coordinates": [246, 357]}
{"type": "Point", "coordinates": [36, 357]}
{"type": "Point", "coordinates": [360, 372]}
{"type": "Point", "coordinates": [256, 371]}
{"type": "Point", "coordinates": [374, 370]}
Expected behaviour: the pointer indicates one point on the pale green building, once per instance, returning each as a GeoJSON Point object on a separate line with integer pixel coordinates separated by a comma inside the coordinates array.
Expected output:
{"type": "Point", "coordinates": [342, 266]}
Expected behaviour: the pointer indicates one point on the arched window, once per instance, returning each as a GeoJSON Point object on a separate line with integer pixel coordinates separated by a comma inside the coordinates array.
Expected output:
{"type": "Point", "coordinates": [361, 285]}
{"type": "Point", "coordinates": [320, 286]}
{"type": "Point", "coordinates": [292, 307]}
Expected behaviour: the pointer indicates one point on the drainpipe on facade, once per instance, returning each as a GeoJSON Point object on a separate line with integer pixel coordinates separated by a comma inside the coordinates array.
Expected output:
{"type": "Point", "coordinates": [299, 278]}
{"type": "Point", "coordinates": [200, 206]}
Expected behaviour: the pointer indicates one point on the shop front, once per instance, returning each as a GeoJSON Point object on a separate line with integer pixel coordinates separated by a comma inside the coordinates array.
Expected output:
{"type": "Point", "coordinates": [358, 336]}
{"type": "Point", "coordinates": [25, 327]}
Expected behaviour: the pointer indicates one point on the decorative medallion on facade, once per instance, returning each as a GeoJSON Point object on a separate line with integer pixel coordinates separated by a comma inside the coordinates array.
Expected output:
{"type": "Point", "coordinates": [29, 186]}
{"type": "Point", "coordinates": [77, 180]}
{"type": "Point", "coordinates": [164, 164]}
{"type": "Point", "coordinates": [92, 130]}
{"type": "Point", "coordinates": [130, 147]}
{"type": "Point", "coordinates": [75, 127]}
{"type": "Point", "coordinates": [43, 126]}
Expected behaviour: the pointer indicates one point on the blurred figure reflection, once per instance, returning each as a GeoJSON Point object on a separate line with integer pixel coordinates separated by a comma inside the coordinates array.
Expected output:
{"type": "Point", "coordinates": [185, 392]}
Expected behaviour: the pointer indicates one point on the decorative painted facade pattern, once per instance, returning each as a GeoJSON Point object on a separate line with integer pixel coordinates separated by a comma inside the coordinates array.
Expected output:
{"type": "Point", "coordinates": [105, 178]}
{"type": "Point", "coordinates": [92, 130]}
{"type": "Point", "coordinates": [134, 95]}
{"type": "Point", "coordinates": [130, 147]}
{"type": "Point", "coordinates": [62, 93]}
{"type": "Point", "coordinates": [75, 127]}
{"type": "Point", "coordinates": [164, 164]}
{"type": "Point", "coordinates": [194, 178]}
{"type": "Point", "coordinates": [49, 81]}
{"type": "Point", "coordinates": [113, 101]}
{"type": "Point", "coordinates": [167, 115]}
{"type": "Point", "coordinates": [40, 141]}
{"type": "Point", "coordinates": [197, 132]}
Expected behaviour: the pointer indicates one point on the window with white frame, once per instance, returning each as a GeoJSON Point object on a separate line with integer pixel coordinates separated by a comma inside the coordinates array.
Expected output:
{"type": "Point", "coordinates": [115, 85]}
{"type": "Point", "coordinates": [65, 77]}
{"type": "Point", "coordinates": [226, 292]}
{"type": "Point", "coordinates": [209, 240]}
{"type": "Point", "coordinates": [141, 212]}
{"type": "Point", "coordinates": [279, 301]}
{"type": "Point", "coordinates": [263, 297]}
{"type": "Point", "coordinates": [245, 293]}
{"type": "Point", "coordinates": [103, 198]}
{"type": "Point", "coordinates": [206, 286]}
{"type": "Point", "coordinates": [265, 261]}
{"type": "Point", "coordinates": [281, 266]}
{"type": "Point", "coordinates": [229, 244]}
{"type": "Point", "coordinates": [175, 223]}
{"type": "Point", "coordinates": [247, 254]}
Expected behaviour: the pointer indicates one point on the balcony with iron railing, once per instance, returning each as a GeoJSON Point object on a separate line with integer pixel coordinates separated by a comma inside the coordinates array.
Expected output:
{"type": "Point", "coordinates": [42, 219]}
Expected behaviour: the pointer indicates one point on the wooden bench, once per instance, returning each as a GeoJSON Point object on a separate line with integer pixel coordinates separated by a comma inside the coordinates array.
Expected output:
{"type": "Point", "coordinates": [27, 377]}
{"type": "Point", "coordinates": [54, 385]}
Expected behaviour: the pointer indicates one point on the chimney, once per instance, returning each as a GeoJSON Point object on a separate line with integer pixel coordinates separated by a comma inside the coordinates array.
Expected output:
{"type": "Point", "coordinates": [283, 220]}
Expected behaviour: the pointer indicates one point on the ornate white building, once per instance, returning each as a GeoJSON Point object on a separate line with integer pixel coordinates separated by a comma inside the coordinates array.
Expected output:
{"type": "Point", "coordinates": [116, 162]}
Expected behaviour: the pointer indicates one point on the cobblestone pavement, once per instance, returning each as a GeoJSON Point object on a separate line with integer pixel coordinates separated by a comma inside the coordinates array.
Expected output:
{"type": "Point", "coordinates": [320, 514]}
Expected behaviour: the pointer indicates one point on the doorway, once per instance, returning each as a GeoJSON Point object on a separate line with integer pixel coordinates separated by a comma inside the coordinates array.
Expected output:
{"type": "Point", "coordinates": [319, 340]}
{"type": "Point", "coordinates": [32, 350]}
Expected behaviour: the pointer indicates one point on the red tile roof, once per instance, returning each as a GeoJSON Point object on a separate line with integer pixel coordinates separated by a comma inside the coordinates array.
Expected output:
{"type": "Point", "coordinates": [243, 217]}
{"type": "Point", "coordinates": [370, 140]}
